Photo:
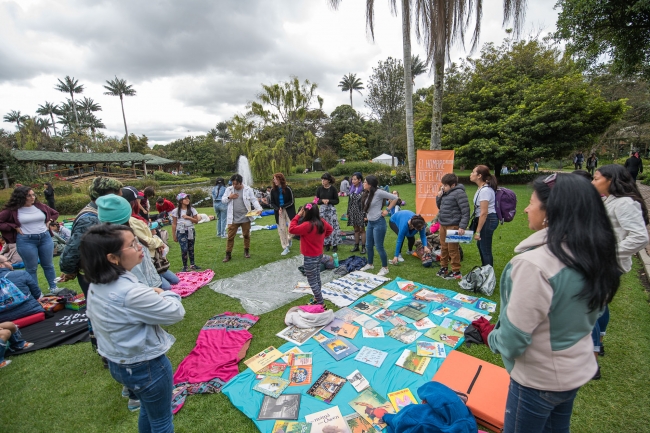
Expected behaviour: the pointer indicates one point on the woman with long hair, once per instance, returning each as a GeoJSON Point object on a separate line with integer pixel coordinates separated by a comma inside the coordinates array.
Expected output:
{"type": "Point", "coordinates": [355, 213]}
{"type": "Point", "coordinates": [49, 194]}
{"type": "Point", "coordinates": [552, 293]}
{"type": "Point", "coordinates": [485, 220]}
{"type": "Point", "coordinates": [126, 317]}
{"type": "Point", "coordinates": [220, 208]}
{"type": "Point", "coordinates": [26, 222]}
{"type": "Point", "coordinates": [285, 209]}
{"type": "Point", "coordinates": [328, 198]}
{"type": "Point", "coordinates": [183, 219]}
{"type": "Point", "coordinates": [629, 216]}
{"type": "Point", "coordinates": [372, 203]}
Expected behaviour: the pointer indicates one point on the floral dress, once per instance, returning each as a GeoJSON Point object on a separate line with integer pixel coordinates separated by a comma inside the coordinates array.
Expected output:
{"type": "Point", "coordinates": [355, 211]}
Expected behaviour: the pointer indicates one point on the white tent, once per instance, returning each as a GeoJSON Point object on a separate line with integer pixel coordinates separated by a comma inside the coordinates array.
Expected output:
{"type": "Point", "coordinates": [384, 159]}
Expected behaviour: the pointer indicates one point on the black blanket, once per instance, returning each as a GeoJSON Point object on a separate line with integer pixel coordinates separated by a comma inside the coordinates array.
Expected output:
{"type": "Point", "coordinates": [63, 327]}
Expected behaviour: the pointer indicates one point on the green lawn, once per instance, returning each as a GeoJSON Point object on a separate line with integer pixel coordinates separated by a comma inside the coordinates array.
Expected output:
{"type": "Point", "coordinates": [65, 389]}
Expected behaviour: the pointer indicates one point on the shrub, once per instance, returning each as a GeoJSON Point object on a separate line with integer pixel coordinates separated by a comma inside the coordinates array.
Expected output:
{"type": "Point", "coordinates": [364, 168]}
{"type": "Point", "coordinates": [199, 197]}
{"type": "Point", "coordinates": [185, 181]}
{"type": "Point", "coordinates": [62, 188]}
{"type": "Point", "coordinates": [328, 158]}
{"type": "Point", "coordinates": [305, 189]}
{"type": "Point", "coordinates": [71, 204]}
{"type": "Point", "coordinates": [141, 184]}
{"type": "Point", "coordinates": [520, 178]}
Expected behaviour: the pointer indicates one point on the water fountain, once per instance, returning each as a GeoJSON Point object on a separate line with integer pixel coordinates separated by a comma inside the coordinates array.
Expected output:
{"type": "Point", "coordinates": [244, 169]}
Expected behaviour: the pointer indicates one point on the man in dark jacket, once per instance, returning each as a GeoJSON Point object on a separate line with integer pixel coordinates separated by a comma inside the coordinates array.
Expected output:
{"type": "Point", "coordinates": [634, 165]}
{"type": "Point", "coordinates": [453, 214]}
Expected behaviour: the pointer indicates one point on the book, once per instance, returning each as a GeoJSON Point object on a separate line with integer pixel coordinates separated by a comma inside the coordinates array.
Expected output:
{"type": "Point", "coordinates": [454, 238]}
{"type": "Point", "coordinates": [382, 303]}
{"type": "Point", "coordinates": [411, 313]}
{"type": "Point", "coordinates": [397, 321]}
{"type": "Point", "coordinates": [453, 303]}
{"type": "Point", "coordinates": [262, 359]}
{"type": "Point", "coordinates": [413, 362]}
{"type": "Point", "coordinates": [465, 298]}
{"type": "Point", "coordinates": [488, 306]}
{"type": "Point", "coordinates": [319, 337]}
{"type": "Point", "coordinates": [302, 287]}
{"type": "Point", "coordinates": [430, 296]}
{"type": "Point", "coordinates": [274, 369]}
{"type": "Point", "coordinates": [348, 330]}
{"type": "Point", "coordinates": [296, 335]}
{"type": "Point", "coordinates": [371, 356]}
{"type": "Point", "coordinates": [444, 335]}
{"type": "Point", "coordinates": [402, 398]}
{"type": "Point", "coordinates": [404, 334]}
{"type": "Point", "coordinates": [334, 326]}
{"type": "Point", "coordinates": [417, 305]}
{"type": "Point", "coordinates": [384, 315]}
{"type": "Point", "coordinates": [377, 332]}
{"type": "Point", "coordinates": [357, 380]}
{"type": "Point", "coordinates": [358, 424]}
{"type": "Point", "coordinates": [366, 321]}
{"type": "Point", "coordinates": [384, 294]}
{"type": "Point", "coordinates": [432, 350]}
{"type": "Point", "coordinates": [301, 367]}
{"type": "Point", "coordinates": [286, 406]}
{"type": "Point", "coordinates": [339, 347]}
{"type": "Point", "coordinates": [287, 354]}
{"type": "Point", "coordinates": [397, 297]}
{"type": "Point", "coordinates": [328, 421]}
{"type": "Point", "coordinates": [442, 311]}
{"type": "Point", "coordinates": [372, 407]}
{"type": "Point", "coordinates": [367, 308]}
{"type": "Point", "coordinates": [407, 286]}
{"type": "Point", "coordinates": [456, 325]}
{"type": "Point", "coordinates": [346, 314]}
{"type": "Point", "coordinates": [272, 386]}
{"type": "Point", "coordinates": [291, 427]}
{"type": "Point", "coordinates": [471, 315]}
{"type": "Point", "coordinates": [423, 324]}
{"type": "Point", "coordinates": [327, 386]}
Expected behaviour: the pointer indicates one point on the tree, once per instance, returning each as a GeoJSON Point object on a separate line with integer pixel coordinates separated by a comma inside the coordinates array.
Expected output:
{"type": "Point", "coordinates": [118, 87]}
{"type": "Point", "coordinates": [136, 144]}
{"type": "Point", "coordinates": [354, 147]}
{"type": "Point", "coordinates": [618, 29]}
{"type": "Point", "coordinates": [222, 132]}
{"type": "Point", "coordinates": [49, 109]}
{"type": "Point", "coordinates": [343, 120]}
{"type": "Point", "coordinates": [349, 83]}
{"type": "Point", "coordinates": [418, 67]}
{"type": "Point", "coordinates": [71, 85]}
{"type": "Point", "coordinates": [15, 116]}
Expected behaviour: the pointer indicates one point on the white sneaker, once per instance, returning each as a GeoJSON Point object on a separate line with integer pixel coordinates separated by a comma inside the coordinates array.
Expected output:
{"type": "Point", "coordinates": [400, 258]}
{"type": "Point", "coordinates": [285, 252]}
{"type": "Point", "coordinates": [382, 272]}
{"type": "Point", "coordinates": [367, 268]}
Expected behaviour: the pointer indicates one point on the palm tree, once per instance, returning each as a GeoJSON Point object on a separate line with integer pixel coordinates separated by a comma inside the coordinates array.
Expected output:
{"type": "Point", "coordinates": [71, 86]}
{"type": "Point", "coordinates": [49, 109]}
{"type": "Point", "coordinates": [43, 124]}
{"type": "Point", "coordinates": [93, 123]}
{"type": "Point", "coordinates": [418, 67]}
{"type": "Point", "coordinates": [118, 87]}
{"type": "Point", "coordinates": [349, 83]}
{"type": "Point", "coordinates": [222, 132]}
{"type": "Point", "coordinates": [88, 106]}
{"type": "Point", "coordinates": [15, 116]}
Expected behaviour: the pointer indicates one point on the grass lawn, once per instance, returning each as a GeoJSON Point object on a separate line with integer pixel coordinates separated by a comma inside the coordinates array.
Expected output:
{"type": "Point", "coordinates": [65, 389]}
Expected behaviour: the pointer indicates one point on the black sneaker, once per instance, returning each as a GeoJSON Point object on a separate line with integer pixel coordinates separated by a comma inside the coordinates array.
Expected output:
{"type": "Point", "coordinates": [453, 276]}
{"type": "Point", "coordinates": [442, 273]}
{"type": "Point", "coordinates": [597, 375]}
{"type": "Point", "coordinates": [602, 351]}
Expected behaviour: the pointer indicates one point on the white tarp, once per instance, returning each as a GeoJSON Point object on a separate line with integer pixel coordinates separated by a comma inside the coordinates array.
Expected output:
{"type": "Point", "coordinates": [384, 159]}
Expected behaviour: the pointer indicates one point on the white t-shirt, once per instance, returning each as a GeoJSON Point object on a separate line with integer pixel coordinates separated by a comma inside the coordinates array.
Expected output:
{"type": "Point", "coordinates": [485, 193]}
{"type": "Point", "coordinates": [32, 220]}
{"type": "Point", "coordinates": [181, 223]}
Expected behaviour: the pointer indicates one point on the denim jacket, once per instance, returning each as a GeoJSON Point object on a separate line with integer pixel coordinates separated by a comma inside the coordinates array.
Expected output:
{"type": "Point", "coordinates": [126, 317]}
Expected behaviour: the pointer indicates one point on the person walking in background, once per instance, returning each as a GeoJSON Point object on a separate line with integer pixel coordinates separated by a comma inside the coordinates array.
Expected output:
{"type": "Point", "coordinates": [241, 200]}
{"type": "Point", "coordinates": [183, 219]}
{"type": "Point", "coordinates": [220, 208]}
{"type": "Point", "coordinates": [634, 165]}
{"type": "Point", "coordinates": [345, 186]}
{"type": "Point", "coordinates": [282, 201]}
{"type": "Point", "coordinates": [49, 194]}
{"type": "Point", "coordinates": [406, 224]}
{"type": "Point", "coordinates": [355, 213]}
{"type": "Point", "coordinates": [328, 198]}
{"type": "Point", "coordinates": [485, 219]}
{"type": "Point", "coordinates": [453, 215]}
{"type": "Point", "coordinates": [580, 158]}
{"type": "Point", "coordinates": [592, 163]}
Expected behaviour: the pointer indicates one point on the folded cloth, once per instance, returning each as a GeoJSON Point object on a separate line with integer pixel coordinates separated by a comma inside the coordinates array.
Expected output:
{"type": "Point", "coordinates": [300, 318]}
{"type": "Point", "coordinates": [312, 308]}
{"type": "Point", "coordinates": [484, 328]}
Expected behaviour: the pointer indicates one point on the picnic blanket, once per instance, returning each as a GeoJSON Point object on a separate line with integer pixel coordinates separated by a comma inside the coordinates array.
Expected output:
{"type": "Point", "coordinates": [387, 378]}
{"type": "Point", "coordinates": [192, 281]}
{"type": "Point", "coordinates": [347, 289]}
{"type": "Point", "coordinates": [63, 327]}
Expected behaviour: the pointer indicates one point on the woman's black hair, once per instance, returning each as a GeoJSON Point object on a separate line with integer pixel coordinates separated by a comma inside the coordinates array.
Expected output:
{"type": "Point", "coordinates": [49, 186]}
{"type": "Point", "coordinates": [623, 185]}
{"type": "Point", "coordinates": [487, 177]}
{"type": "Point", "coordinates": [98, 242]}
{"type": "Point", "coordinates": [418, 220]}
{"type": "Point", "coordinates": [219, 181]}
{"type": "Point", "coordinates": [179, 205]}
{"type": "Point", "coordinates": [18, 198]}
{"type": "Point", "coordinates": [149, 192]}
{"type": "Point", "coordinates": [583, 173]}
{"type": "Point", "coordinates": [312, 216]}
{"type": "Point", "coordinates": [580, 235]}
{"type": "Point", "coordinates": [368, 195]}
{"type": "Point", "coordinates": [329, 178]}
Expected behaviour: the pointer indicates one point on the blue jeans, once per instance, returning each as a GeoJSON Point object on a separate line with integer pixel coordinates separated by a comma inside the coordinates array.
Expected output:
{"type": "Point", "coordinates": [221, 211]}
{"type": "Point", "coordinates": [152, 383]}
{"type": "Point", "coordinates": [16, 342]}
{"type": "Point", "coordinates": [168, 279]}
{"type": "Point", "coordinates": [600, 328]}
{"type": "Point", "coordinates": [375, 234]}
{"type": "Point", "coordinates": [187, 245]}
{"type": "Point", "coordinates": [33, 248]}
{"type": "Point", "coordinates": [485, 244]}
{"type": "Point", "coordinates": [530, 410]}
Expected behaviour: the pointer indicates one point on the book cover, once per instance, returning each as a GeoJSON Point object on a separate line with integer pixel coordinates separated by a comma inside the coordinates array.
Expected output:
{"type": "Point", "coordinates": [471, 315]}
{"type": "Point", "coordinates": [291, 427]}
{"type": "Point", "coordinates": [430, 296]}
{"type": "Point", "coordinates": [407, 286]}
{"type": "Point", "coordinates": [384, 294]}
{"type": "Point", "coordinates": [402, 398]}
{"type": "Point", "coordinates": [444, 335]}
{"type": "Point", "coordinates": [453, 303]}
{"type": "Point", "coordinates": [346, 314]}
{"type": "Point", "coordinates": [296, 335]}
{"type": "Point", "coordinates": [301, 367]}
{"type": "Point", "coordinates": [320, 337]}
{"type": "Point", "coordinates": [366, 321]}
{"type": "Point", "coordinates": [397, 321]}
{"type": "Point", "coordinates": [442, 311]}
{"type": "Point", "coordinates": [339, 347]}
{"type": "Point", "coordinates": [348, 330]}
{"type": "Point", "coordinates": [454, 238]}
{"type": "Point", "coordinates": [286, 406]}
{"type": "Point", "coordinates": [367, 308]}
{"type": "Point", "coordinates": [372, 407]}
{"type": "Point", "coordinates": [302, 287]}
{"type": "Point", "coordinates": [358, 424]}
{"type": "Point", "coordinates": [417, 305]}
{"type": "Point", "coordinates": [274, 369]}
{"type": "Point", "coordinates": [411, 313]}
{"type": "Point", "coordinates": [404, 334]}
{"type": "Point", "coordinates": [465, 298]}
{"type": "Point", "coordinates": [382, 303]}
{"type": "Point", "coordinates": [384, 315]}
{"type": "Point", "coordinates": [357, 380]}
{"type": "Point", "coordinates": [484, 305]}
{"type": "Point", "coordinates": [377, 332]}
{"type": "Point", "coordinates": [328, 421]}
{"type": "Point", "coordinates": [327, 386]}
{"type": "Point", "coordinates": [371, 356]}
{"type": "Point", "coordinates": [431, 349]}
{"type": "Point", "coordinates": [397, 297]}
{"type": "Point", "coordinates": [456, 325]}
{"type": "Point", "coordinates": [262, 359]}
{"type": "Point", "coordinates": [423, 324]}
{"type": "Point", "coordinates": [413, 362]}
{"type": "Point", "coordinates": [286, 355]}
{"type": "Point", "coordinates": [334, 326]}
{"type": "Point", "coordinates": [272, 386]}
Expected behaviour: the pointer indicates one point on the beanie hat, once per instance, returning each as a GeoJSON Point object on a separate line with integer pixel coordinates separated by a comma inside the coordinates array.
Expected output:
{"type": "Point", "coordinates": [101, 184]}
{"type": "Point", "coordinates": [130, 193]}
{"type": "Point", "coordinates": [113, 209]}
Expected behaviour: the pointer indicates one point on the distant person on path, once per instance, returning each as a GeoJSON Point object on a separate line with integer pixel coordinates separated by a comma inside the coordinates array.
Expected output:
{"type": "Point", "coordinates": [485, 217]}
{"type": "Point", "coordinates": [407, 224]}
{"type": "Point", "coordinates": [183, 219]}
{"type": "Point", "coordinates": [536, 165]}
{"type": "Point", "coordinates": [453, 215]}
{"type": "Point", "coordinates": [241, 200]}
{"type": "Point", "coordinates": [220, 208]}
{"type": "Point", "coordinates": [592, 163]}
{"type": "Point", "coordinates": [49, 194]}
{"type": "Point", "coordinates": [328, 198]}
{"type": "Point", "coordinates": [579, 159]}
{"type": "Point", "coordinates": [634, 165]}
{"type": "Point", "coordinates": [345, 186]}
{"type": "Point", "coordinates": [282, 201]}
{"type": "Point", "coordinates": [355, 213]}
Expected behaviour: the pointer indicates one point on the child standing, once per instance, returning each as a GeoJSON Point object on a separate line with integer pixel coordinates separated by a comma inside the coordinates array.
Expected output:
{"type": "Point", "coordinates": [312, 231]}
{"type": "Point", "coordinates": [183, 219]}
{"type": "Point", "coordinates": [453, 214]}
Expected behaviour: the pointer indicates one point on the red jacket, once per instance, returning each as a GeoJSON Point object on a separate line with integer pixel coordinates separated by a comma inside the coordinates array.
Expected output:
{"type": "Point", "coordinates": [311, 242]}
{"type": "Point", "coordinates": [167, 206]}
{"type": "Point", "coordinates": [9, 221]}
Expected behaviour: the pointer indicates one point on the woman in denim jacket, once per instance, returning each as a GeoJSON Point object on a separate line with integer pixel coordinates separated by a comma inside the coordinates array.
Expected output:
{"type": "Point", "coordinates": [126, 317]}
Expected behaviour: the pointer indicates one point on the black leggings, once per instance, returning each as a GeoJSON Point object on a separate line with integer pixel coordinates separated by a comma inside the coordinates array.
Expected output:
{"type": "Point", "coordinates": [410, 240]}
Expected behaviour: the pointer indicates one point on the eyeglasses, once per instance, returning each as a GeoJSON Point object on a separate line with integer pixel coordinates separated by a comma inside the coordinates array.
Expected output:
{"type": "Point", "coordinates": [550, 180]}
{"type": "Point", "coordinates": [135, 245]}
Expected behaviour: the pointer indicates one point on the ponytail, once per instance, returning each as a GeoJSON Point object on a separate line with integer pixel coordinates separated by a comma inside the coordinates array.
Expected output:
{"type": "Point", "coordinates": [487, 177]}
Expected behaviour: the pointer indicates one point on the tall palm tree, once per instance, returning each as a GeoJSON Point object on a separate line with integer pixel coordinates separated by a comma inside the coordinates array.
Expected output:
{"type": "Point", "coordinates": [222, 132]}
{"type": "Point", "coordinates": [418, 67]}
{"type": "Point", "coordinates": [88, 106]}
{"type": "Point", "coordinates": [49, 109]}
{"type": "Point", "coordinates": [349, 83]}
{"type": "Point", "coordinates": [43, 124]}
{"type": "Point", "coordinates": [70, 85]}
{"type": "Point", "coordinates": [15, 116]}
{"type": "Point", "coordinates": [118, 87]}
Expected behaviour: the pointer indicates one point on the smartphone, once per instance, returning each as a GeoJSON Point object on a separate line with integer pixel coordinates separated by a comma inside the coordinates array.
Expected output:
{"type": "Point", "coordinates": [58, 279]}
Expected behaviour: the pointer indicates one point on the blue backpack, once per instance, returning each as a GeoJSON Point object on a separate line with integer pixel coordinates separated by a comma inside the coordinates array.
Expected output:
{"type": "Point", "coordinates": [505, 204]}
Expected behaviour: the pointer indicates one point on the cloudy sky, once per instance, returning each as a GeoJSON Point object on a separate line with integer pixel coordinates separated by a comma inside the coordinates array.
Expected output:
{"type": "Point", "coordinates": [195, 63]}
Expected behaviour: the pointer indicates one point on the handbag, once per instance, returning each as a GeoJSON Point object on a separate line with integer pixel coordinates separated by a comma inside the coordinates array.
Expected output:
{"type": "Point", "coordinates": [10, 295]}
{"type": "Point", "coordinates": [160, 263]}
{"type": "Point", "coordinates": [480, 279]}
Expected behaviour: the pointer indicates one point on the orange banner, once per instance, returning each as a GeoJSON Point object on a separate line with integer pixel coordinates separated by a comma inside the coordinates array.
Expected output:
{"type": "Point", "coordinates": [431, 166]}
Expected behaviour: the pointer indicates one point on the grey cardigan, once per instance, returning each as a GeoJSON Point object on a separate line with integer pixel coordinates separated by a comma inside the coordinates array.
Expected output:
{"type": "Point", "coordinates": [454, 207]}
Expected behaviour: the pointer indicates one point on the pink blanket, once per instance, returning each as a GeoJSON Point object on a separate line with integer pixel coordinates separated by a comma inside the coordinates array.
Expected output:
{"type": "Point", "coordinates": [192, 281]}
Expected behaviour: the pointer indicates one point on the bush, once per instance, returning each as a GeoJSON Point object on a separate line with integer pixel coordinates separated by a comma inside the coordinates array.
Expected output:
{"type": "Point", "coordinates": [71, 204]}
{"type": "Point", "coordinates": [401, 177]}
{"type": "Point", "coordinates": [198, 196]}
{"type": "Point", "coordinates": [141, 184]}
{"type": "Point", "coordinates": [520, 178]}
{"type": "Point", "coordinates": [364, 168]}
{"type": "Point", "coordinates": [185, 181]}
{"type": "Point", "coordinates": [305, 189]}
{"type": "Point", "coordinates": [62, 187]}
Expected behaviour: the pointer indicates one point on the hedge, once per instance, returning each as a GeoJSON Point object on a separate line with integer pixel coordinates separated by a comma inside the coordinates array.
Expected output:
{"type": "Point", "coordinates": [364, 168]}
{"type": "Point", "coordinates": [184, 181]}
{"type": "Point", "coordinates": [71, 204]}
{"type": "Point", "coordinates": [521, 178]}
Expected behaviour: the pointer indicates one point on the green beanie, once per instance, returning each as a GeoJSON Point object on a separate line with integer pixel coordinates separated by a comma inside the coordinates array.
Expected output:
{"type": "Point", "coordinates": [114, 209]}
{"type": "Point", "coordinates": [103, 185]}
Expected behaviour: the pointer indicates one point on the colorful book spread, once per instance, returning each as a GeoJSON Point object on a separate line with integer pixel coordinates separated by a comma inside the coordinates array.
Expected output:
{"type": "Point", "coordinates": [404, 334]}
{"type": "Point", "coordinates": [384, 315]}
{"type": "Point", "coordinates": [465, 298]}
{"type": "Point", "coordinates": [327, 421]}
{"type": "Point", "coordinates": [407, 286]}
{"type": "Point", "coordinates": [402, 398]}
{"type": "Point", "coordinates": [444, 335]}
{"type": "Point", "coordinates": [413, 362]}
{"type": "Point", "coordinates": [488, 306]}
{"type": "Point", "coordinates": [296, 335]}
{"type": "Point", "coordinates": [398, 297]}
{"type": "Point", "coordinates": [377, 332]}
{"type": "Point", "coordinates": [366, 321]}
{"type": "Point", "coordinates": [456, 325]}
{"type": "Point", "coordinates": [272, 386]}
{"type": "Point", "coordinates": [442, 311]}
{"type": "Point", "coordinates": [301, 367]}
{"type": "Point", "coordinates": [382, 303]}
{"type": "Point", "coordinates": [320, 337]}
{"type": "Point", "coordinates": [431, 349]}
{"type": "Point", "coordinates": [275, 369]}
{"type": "Point", "coordinates": [262, 359]}
{"type": "Point", "coordinates": [452, 303]}
{"type": "Point", "coordinates": [372, 406]}
{"type": "Point", "coordinates": [334, 326]}
{"type": "Point", "coordinates": [287, 354]}
{"type": "Point", "coordinates": [291, 427]}
{"type": "Point", "coordinates": [357, 380]}
{"type": "Point", "coordinates": [411, 313]}
{"type": "Point", "coordinates": [384, 294]}
{"type": "Point", "coordinates": [423, 324]}
{"type": "Point", "coordinates": [417, 305]}
{"type": "Point", "coordinates": [327, 386]}
{"type": "Point", "coordinates": [371, 356]}
{"type": "Point", "coordinates": [430, 296]}
{"type": "Point", "coordinates": [358, 424]}
{"type": "Point", "coordinates": [346, 314]}
{"type": "Point", "coordinates": [286, 406]}
{"type": "Point", "coordinates": [397, 321]}
{"type": "Point", "coordinates": [339, 347]}
{"type": "Point", "coordinates": [471, 315]}
{"type": "Point", "coordinates": [367, 308]}
{"type": "Point", "coordinates": [348, 330]}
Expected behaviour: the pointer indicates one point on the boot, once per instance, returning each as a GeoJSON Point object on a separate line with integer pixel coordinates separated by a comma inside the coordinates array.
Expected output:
{"type": "Point", "coordinates": [335, 248]}
{"type": "Point", "coordinates": [228, 257]}
{"type": "Point", "coordinates": [327, 247]}
{"type": "Point", "coordinates": [356, 248]}
{"type": "Point", "coordinates": [363, 249]}
{"type": "Point", "coordinates": [246, 255]}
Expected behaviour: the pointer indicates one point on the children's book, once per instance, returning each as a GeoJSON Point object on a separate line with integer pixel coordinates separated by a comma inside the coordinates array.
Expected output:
{"type": "Point", "coordinates": [423, 294]}
{"type": "Point", "coordinates": [465, 298]}
{"type": "Point", "coordinates": [382, 303]}
{"type": "Point", "coordinates": [376, 332]}
{"type": "Point", "coordinates": [327, 386]}
{"type": "Point", "coordinates": [402, 398]}
{"type": "Point", "coordinates": [384, 315]}
{"type": "Point", "coordinates": [302, 287]}
{"type": "Point", "coordinates": [301, 367]}
{"type": "Point", "coordinates": [286, 406]}
{"type": "Point", "coordinates": [346, 314]}
{"type": "Point", "coordinates": [287, 354]}
{"type": "Point", "coordinates": [384, 294]}
{"type": "Point", "coordinates": [442, 311]}
{"type": "Point", "coordinates": [417, 305]}
{"type": "Point", "coordinates": [423, 324]}
{"type": "Point", "coordinates": [397, 297]}
{"type": "Point", "coordinates": [348, 330]}
{"type": "Point", "coordinates": [358, 424]}
{"type": "Point", "coordinates": [453, 237]}
{"type": "Point", "coordinates": [296, 335]}
{"type": "Point", "coordinates": [488, 306]}
{"type": "Point", "coordinates": [433, 297]}
{"type": "Point", "coordinates": [407, 286]}
{"type": "Point", "coordinates": [372, 406]}
{"type": "Point", "coordinates": [453, 303]}
{"type": "Point", "coordinates": [366, 321]}
{"type": "Point", "coordinates": [275, 369]}
{"type": "Point", "coordinates": [444, 335]}
{"type": "Point", "coordinates": [339, 347]}
{"type": "Point", "coordinates": [413, 362]}
{"type": "Point", "coordinates": [328, 421]}
{"type": "Point", "coordinates": [291, 427]}
{"type": "Point", "coordinates": [334, 326]}
{"type": "Point", "coordinates": [319, 337]}
{"type": "Point", "coordinates": [431, 349]}
{"type": "Point", "coordinates": [411, 313]}
{"type": "Point", "coordinates": [262, 359]}
{"type": "Point", "coordinates": [367, 308]}
{"type": "Point", "coordinates": [456, 325]}
{"type": "Point", "coordinates": [404, 334]}
{"type": "Point", "coordinates": [272, 386]}
{"type": "Point", "coordinates": [371, 356]}
{"type": "Point", "coordinates": [471, 315]}
{"type": "Point", "coordinates": [397, 321]}
{"type": "Point", "coordinates": [357, 380]}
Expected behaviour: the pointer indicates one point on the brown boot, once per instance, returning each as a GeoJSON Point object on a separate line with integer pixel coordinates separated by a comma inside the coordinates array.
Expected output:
{"type": "Point", "coordinates": [246, 255]}
{"type": "Point", "coordinates": [228, 257]}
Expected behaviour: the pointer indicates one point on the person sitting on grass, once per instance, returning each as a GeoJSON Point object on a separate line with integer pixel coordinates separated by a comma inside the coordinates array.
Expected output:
{"type": "Point", "coordinates": [406, 224]}
{"type": "Point", "coordinates": [30, 293]}
{"type": "Point", "coordinates": [453, 215]}
{"type": "Point", "coordinates": [9, 333]}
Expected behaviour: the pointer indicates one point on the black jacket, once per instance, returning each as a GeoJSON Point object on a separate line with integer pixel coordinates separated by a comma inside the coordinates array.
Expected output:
{"type": "Point", "coordinates": [289, 206]}
{"type": "Point", "coordinates": [634, 165]}
{"type": "Point", "coordinates": [454, 207]}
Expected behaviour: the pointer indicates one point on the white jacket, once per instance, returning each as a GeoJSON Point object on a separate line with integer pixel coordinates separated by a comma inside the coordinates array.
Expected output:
{"type": "Point", "coordinates": [629, 226]}
{"type": "Point", "coordinates": [250, 201]}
